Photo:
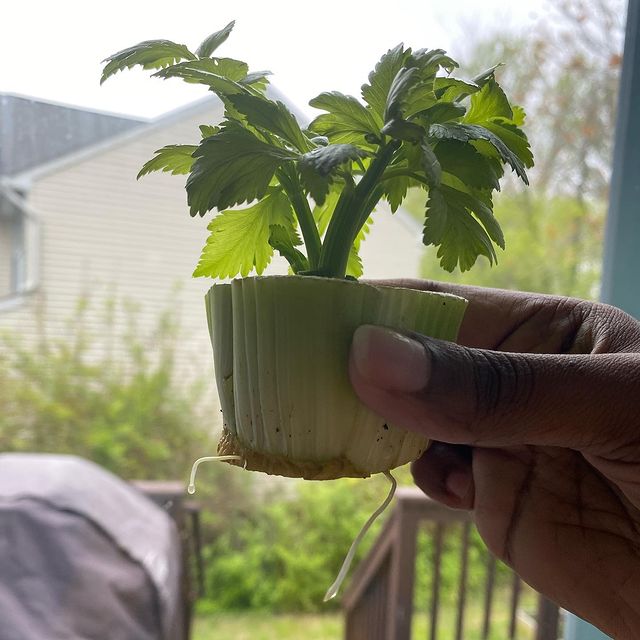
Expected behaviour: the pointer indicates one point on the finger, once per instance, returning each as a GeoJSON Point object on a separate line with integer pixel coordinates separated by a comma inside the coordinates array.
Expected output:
{"type": "Point", "coordinates": [511, 320]}
{"type": "Point", "coordinates": [459, 395]}
{"type": "Point", "coordinates": [444, 473]}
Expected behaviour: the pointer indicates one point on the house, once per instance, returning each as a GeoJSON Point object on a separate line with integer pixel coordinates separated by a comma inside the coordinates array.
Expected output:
{"type": "Point", "coordinates": [75, 224]}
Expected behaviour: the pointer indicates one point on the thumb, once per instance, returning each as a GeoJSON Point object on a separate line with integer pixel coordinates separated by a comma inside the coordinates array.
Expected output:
{"type": "Point", "coordinates": [460, 395]}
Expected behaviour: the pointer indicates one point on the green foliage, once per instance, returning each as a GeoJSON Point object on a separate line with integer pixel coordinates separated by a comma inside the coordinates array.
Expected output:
{"type": "Point", "coordinates": [150, 54]}
{"type": "Point", "coordinates": [346, 119]}
{"type": "Point", "coordinates": [274, 117]}
{"type": "Point", "coordinates": [554, 246]}
{"type": "Point", "coordinates": [284, 556]}
{"type": "Point", "coordinates": [471, 132]}
{"type": "Point", "coordinates": [411, 106]}
{"type": "Point", "coordinates": [212, 42]}
{"type": "Point", "coordinates": [221, 75]}
{"type": "Point", "coordinates": [174, 158]}
{"type": "Point", "coordinates": [232, 167]}
{"type": "Point", "coordinates": [380, 80]}
{"type": "Point", "coordinates": [462, 227]}
{"type": "Point", "coordinates": [239, 240]}
{"type": "Point", "coordinates": [318, 167]}
{"type": "Point", "coordinates": [127, 412]}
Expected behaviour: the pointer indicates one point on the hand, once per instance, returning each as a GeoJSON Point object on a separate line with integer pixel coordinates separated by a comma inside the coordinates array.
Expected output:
{"type": "Point", "coordinates": [536, 427]}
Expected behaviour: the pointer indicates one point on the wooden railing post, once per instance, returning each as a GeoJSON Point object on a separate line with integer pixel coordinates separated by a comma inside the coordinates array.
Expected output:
{"type": "Point", "coordinates": [379, 601]}
{"type": "Point", "coordinates": [402, 578]}
{"type": "Point", "coordinates": [548, 619]}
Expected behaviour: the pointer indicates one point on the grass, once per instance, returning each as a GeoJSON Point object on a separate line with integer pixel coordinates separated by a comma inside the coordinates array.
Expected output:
{"type": "Point", "coordinates": [265, 626]}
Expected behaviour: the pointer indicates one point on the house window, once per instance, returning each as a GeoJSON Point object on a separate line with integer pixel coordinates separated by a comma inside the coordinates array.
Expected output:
{"type": "Point", "coordinates": [14, 265]}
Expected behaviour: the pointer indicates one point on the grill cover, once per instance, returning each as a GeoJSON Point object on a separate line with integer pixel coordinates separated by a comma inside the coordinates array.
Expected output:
{"type": "Point", "coordinates": [83, 555]}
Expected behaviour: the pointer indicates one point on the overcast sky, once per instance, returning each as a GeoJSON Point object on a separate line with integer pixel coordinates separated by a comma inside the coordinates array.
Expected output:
{"type": "Point", "coordinates": [52, 49]}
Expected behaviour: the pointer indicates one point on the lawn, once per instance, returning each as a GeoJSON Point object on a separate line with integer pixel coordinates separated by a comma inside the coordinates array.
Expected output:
{"type": "Point", "coordinates": [264, 626]}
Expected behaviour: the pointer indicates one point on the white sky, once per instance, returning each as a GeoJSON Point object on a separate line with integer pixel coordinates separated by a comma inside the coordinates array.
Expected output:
{"type": "Point", "coordinates": [52, 49]}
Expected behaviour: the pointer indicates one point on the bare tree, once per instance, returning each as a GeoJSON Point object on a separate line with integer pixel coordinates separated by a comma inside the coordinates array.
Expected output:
{"type": "Point", "coordinates": [565, 71]}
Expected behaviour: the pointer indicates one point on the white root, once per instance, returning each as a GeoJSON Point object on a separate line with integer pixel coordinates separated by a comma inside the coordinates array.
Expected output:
{"type": "Point", "coordinates": [192, 480]}
{"type": "Point", "coordinates": [335, 587]}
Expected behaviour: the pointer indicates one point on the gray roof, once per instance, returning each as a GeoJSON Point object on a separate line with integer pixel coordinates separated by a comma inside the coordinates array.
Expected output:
{"type": "Point", "coordinates": [34, 132]}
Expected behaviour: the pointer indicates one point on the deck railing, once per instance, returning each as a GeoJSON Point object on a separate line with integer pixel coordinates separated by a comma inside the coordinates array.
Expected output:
{"type": "Point", "coordinates": [170, 496]}
{"type": "Point", "coordinates": [379, 604]}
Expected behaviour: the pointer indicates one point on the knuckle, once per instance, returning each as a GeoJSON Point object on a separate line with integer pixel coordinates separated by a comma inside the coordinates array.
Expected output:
{"type": "Point", "coordinates": [501, 383]}
{"type": "Point", "coordinates": [612, 330]}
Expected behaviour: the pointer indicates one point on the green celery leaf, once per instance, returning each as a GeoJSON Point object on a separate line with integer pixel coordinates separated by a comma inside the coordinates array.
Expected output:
{"type": "Point", "coordinates": [322, 212]}
{"type": "Point", "coordinates": [273, 117]}
{"type": "Point", "coordinates": [395, 190]}
{"type": "Point", "coordinates": [513, 137]}
{"type": "Point", "coordinates": [232, 167]}
{"type": "Point", "coordinates": [453, 89]}
{"type": "Point", "coordinates": [403, 130]}
{"type": "Point", "coordinates": [347, 120]}
{"type": "Point", "coordinates": [380, 79]}
{"type": "Point", "coordinates": [209, 72]}
{"type": "Point", "coordinates": [430, 164]}
{"type": "Point", "coordinates": [316, 184]}
{"type": "Point", "coordinates": [317, 166]}
{"type": "Point", "coordinates": [285, 243]}
{"type": "Point", "coordinates": [324, 160]}
{"type": "Point", "coordinates": [487, 75]}
{"type": "Point", "coordinates": [441, 112]}
{"type": "Point", "coordinates": [465, 162]}
{"type": "Point", "coordinates": [468, 132]}
{"type": "Point", "coordinates": [210, 44]}
{"type": "Point", "coordinates": [150, 54]}
{"type": "Point", "coordinates": [489, 102]}
{"type": "Point", "coordinates": [460, 238]}
{"type": "Point", "coordinates": [420, 97]}
{"type": "Point", "coordinates": [435, 224]}
{"type": "Point", "coordinates": [231, 68]}
{"type": "Point", "coordinates": [519, 115]}
{"type": "Point", "coordinates": [208, 130]}
{"type": "Point", "coordinates": [257, 79]}
{"type": "Point", "coordinates": [404, 81]}
{"type": "Point", "coordinates": [481, 207]}
{"type": "Point", "coordinates": [174, 158]}
{"type": "Point", "coordinates": [430, 61]}
{"type": "Point", "coordinates": [239, 239]}
{"type": "Point", "coordinates": [354, 262]}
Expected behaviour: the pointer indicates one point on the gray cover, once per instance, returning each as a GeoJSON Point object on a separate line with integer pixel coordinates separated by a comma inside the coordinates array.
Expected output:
{"type": "Point", "coordinates": [83, 555]}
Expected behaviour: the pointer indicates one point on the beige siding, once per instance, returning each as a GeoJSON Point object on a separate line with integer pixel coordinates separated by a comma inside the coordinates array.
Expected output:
{"type": "Point", "coordinates": [5, 256]}
{"type": "Point", "coordinates": [106, 236]}
{"type": "Point", "coordinates": [393, 247]}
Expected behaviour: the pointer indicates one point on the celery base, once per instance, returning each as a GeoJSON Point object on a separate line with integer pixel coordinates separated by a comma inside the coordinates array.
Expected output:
{"type": "Point", "coordinates": [281, 352]}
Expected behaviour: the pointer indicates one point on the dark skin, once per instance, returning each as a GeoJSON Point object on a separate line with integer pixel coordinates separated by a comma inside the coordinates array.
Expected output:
{"type": "Point", "coordinates": [535, 419]}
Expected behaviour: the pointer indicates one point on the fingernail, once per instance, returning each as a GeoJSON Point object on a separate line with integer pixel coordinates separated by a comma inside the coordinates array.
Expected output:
{"type": "Point", "coordinates": [458, 483]}
{"type": "Point", "coordinates": [390, 360]}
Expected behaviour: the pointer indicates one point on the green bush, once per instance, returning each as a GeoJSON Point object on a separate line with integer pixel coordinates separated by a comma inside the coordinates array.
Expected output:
{"type": "Point", "coordinates": [284, 556]}
{"type": "Point", "coordinates": [553, 245]}
{"type": "Point", "coordinates": [271, 547]}
{"type": "Point", "coordinates": [70, 394]}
